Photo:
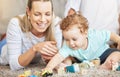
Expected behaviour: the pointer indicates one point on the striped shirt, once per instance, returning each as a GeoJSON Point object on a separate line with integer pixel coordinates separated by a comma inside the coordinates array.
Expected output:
{"type": "Point", "coordinates": [19, 42]}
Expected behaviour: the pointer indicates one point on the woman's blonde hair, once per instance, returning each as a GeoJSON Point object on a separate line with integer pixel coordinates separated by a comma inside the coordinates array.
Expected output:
{"type": "Point", "coordinates": [26, 25]}
{"type": "Point", "coordinates": [74, 19]}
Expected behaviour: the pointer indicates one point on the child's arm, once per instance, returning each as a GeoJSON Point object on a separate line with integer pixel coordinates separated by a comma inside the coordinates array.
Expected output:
{"type": "Point", "coordinates": [57, 59]}
{"type": "Point", "coordinates": [116, 38]}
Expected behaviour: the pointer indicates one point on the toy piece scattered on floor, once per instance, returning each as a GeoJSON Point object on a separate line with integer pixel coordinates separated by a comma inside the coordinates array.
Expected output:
{"type": "Point", "coordinates": [37, 73]}
{"type": "Point", "coordinates": [118, 69]}
{"type": "Point", "coordinates": [80, 67]}
{"type": "Point", "coordinates": [96, 61]}
{"type": "Point", "coordinates": [29, 73]}
{"type": "Point", "coordinates": [32, 76]}
{"type": "Point", "coordinates": [46, 73]}
{"type": "Point", "coordinates": [21, 75]}
{"type": "Point", "coordinates": [61, 71]}
{"type": "Point", "coordinates": [116, 66]}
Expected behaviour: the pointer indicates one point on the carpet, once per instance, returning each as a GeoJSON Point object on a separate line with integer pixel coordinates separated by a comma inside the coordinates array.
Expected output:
{"type": "Point", "coordinates": [6, 72]}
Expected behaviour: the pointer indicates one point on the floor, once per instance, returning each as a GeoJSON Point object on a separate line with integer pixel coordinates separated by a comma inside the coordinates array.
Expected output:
{"type": "Point", "coordinates": [6, 72]}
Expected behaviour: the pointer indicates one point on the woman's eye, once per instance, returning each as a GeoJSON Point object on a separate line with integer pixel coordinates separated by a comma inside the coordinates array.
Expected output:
{"type": "Point", "coordinates": [48, 14]}
{"type": "Point", "coordinates": [36, 14]}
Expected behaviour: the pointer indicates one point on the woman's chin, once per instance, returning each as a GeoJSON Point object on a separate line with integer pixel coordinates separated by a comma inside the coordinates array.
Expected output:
{"type": "Point", "coordinates": [41, 30]}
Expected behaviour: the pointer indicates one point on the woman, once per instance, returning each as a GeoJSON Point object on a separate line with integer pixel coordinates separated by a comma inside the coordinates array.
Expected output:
{"type": "Point", "coordinates": [33, 35]}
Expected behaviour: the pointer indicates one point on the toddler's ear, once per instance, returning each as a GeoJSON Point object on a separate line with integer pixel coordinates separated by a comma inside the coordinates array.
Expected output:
{"type": "Point", "coordinates": [81, 30]}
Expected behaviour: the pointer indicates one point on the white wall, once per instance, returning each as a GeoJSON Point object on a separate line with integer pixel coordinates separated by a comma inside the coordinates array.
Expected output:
{"type": "Point", "coordinates": [59, 6]}
{"type": "Point", "coordinates": [11, 8]}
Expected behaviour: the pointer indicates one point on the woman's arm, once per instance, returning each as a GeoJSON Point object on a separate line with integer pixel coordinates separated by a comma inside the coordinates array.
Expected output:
{"type": "Point", "coordinates": [47, 48]}
{"type": "Point", "coordinates": [14, 43]}
{"type": "Point", "coordinates": [19, 59]}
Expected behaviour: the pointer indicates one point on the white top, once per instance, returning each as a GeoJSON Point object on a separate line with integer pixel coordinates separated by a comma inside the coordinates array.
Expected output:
{"type": "Point", "coordinates": [101, 14]}
{"type": "Point", "coordinates": [19, 42]}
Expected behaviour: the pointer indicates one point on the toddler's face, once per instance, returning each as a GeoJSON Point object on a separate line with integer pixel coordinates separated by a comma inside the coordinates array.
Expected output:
{"type": "Point", "coordinates": [74, 38]}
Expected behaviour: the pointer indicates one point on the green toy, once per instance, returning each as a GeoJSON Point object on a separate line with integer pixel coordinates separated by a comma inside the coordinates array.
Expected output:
{"type": "Point", "coordinates": [46, 73]}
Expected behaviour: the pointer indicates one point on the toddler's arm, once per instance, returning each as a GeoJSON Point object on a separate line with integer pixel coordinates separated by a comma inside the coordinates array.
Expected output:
{"type": "Point", "coordinates": [57, 59]}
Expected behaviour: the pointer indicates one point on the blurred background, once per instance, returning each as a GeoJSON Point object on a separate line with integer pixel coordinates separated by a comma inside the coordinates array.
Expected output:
{"type": "Point", "coordinates": [11, 8]}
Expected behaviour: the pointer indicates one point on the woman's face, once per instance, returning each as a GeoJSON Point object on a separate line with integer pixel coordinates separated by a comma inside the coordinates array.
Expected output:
{"type": "Point", "coordinates": [40, 16]}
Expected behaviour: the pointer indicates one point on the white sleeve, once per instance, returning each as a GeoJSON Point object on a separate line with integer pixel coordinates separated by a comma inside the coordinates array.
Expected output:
{"type": "Point", "coordinates": [14, 43]}
{"type": "Point", "coordinates": [119, 6]}
{"type": "Point", "coordinates": [75, 4]}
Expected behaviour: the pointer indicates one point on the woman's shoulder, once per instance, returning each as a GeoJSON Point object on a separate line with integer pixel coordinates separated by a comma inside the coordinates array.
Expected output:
{"type": "Point", "coordinates": [16, 19]}
{"type": "Point", "coordinates": [14, 24]}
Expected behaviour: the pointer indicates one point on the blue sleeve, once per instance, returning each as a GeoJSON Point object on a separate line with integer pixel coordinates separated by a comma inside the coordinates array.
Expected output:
{"type": "Point", "coordinates": [2, 43]}
{"type": "Point", "coordinates": [104, 35]}
{"type": "Point", "coordinates": [64, 51]}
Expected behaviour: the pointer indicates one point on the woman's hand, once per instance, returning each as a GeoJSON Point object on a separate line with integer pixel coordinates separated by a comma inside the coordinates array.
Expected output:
{"type": "Point", "coordinates": [47, 49]}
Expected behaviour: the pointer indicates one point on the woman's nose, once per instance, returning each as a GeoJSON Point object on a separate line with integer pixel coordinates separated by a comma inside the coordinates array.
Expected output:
{"type": "Point", "coordinates": [42, 18]}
